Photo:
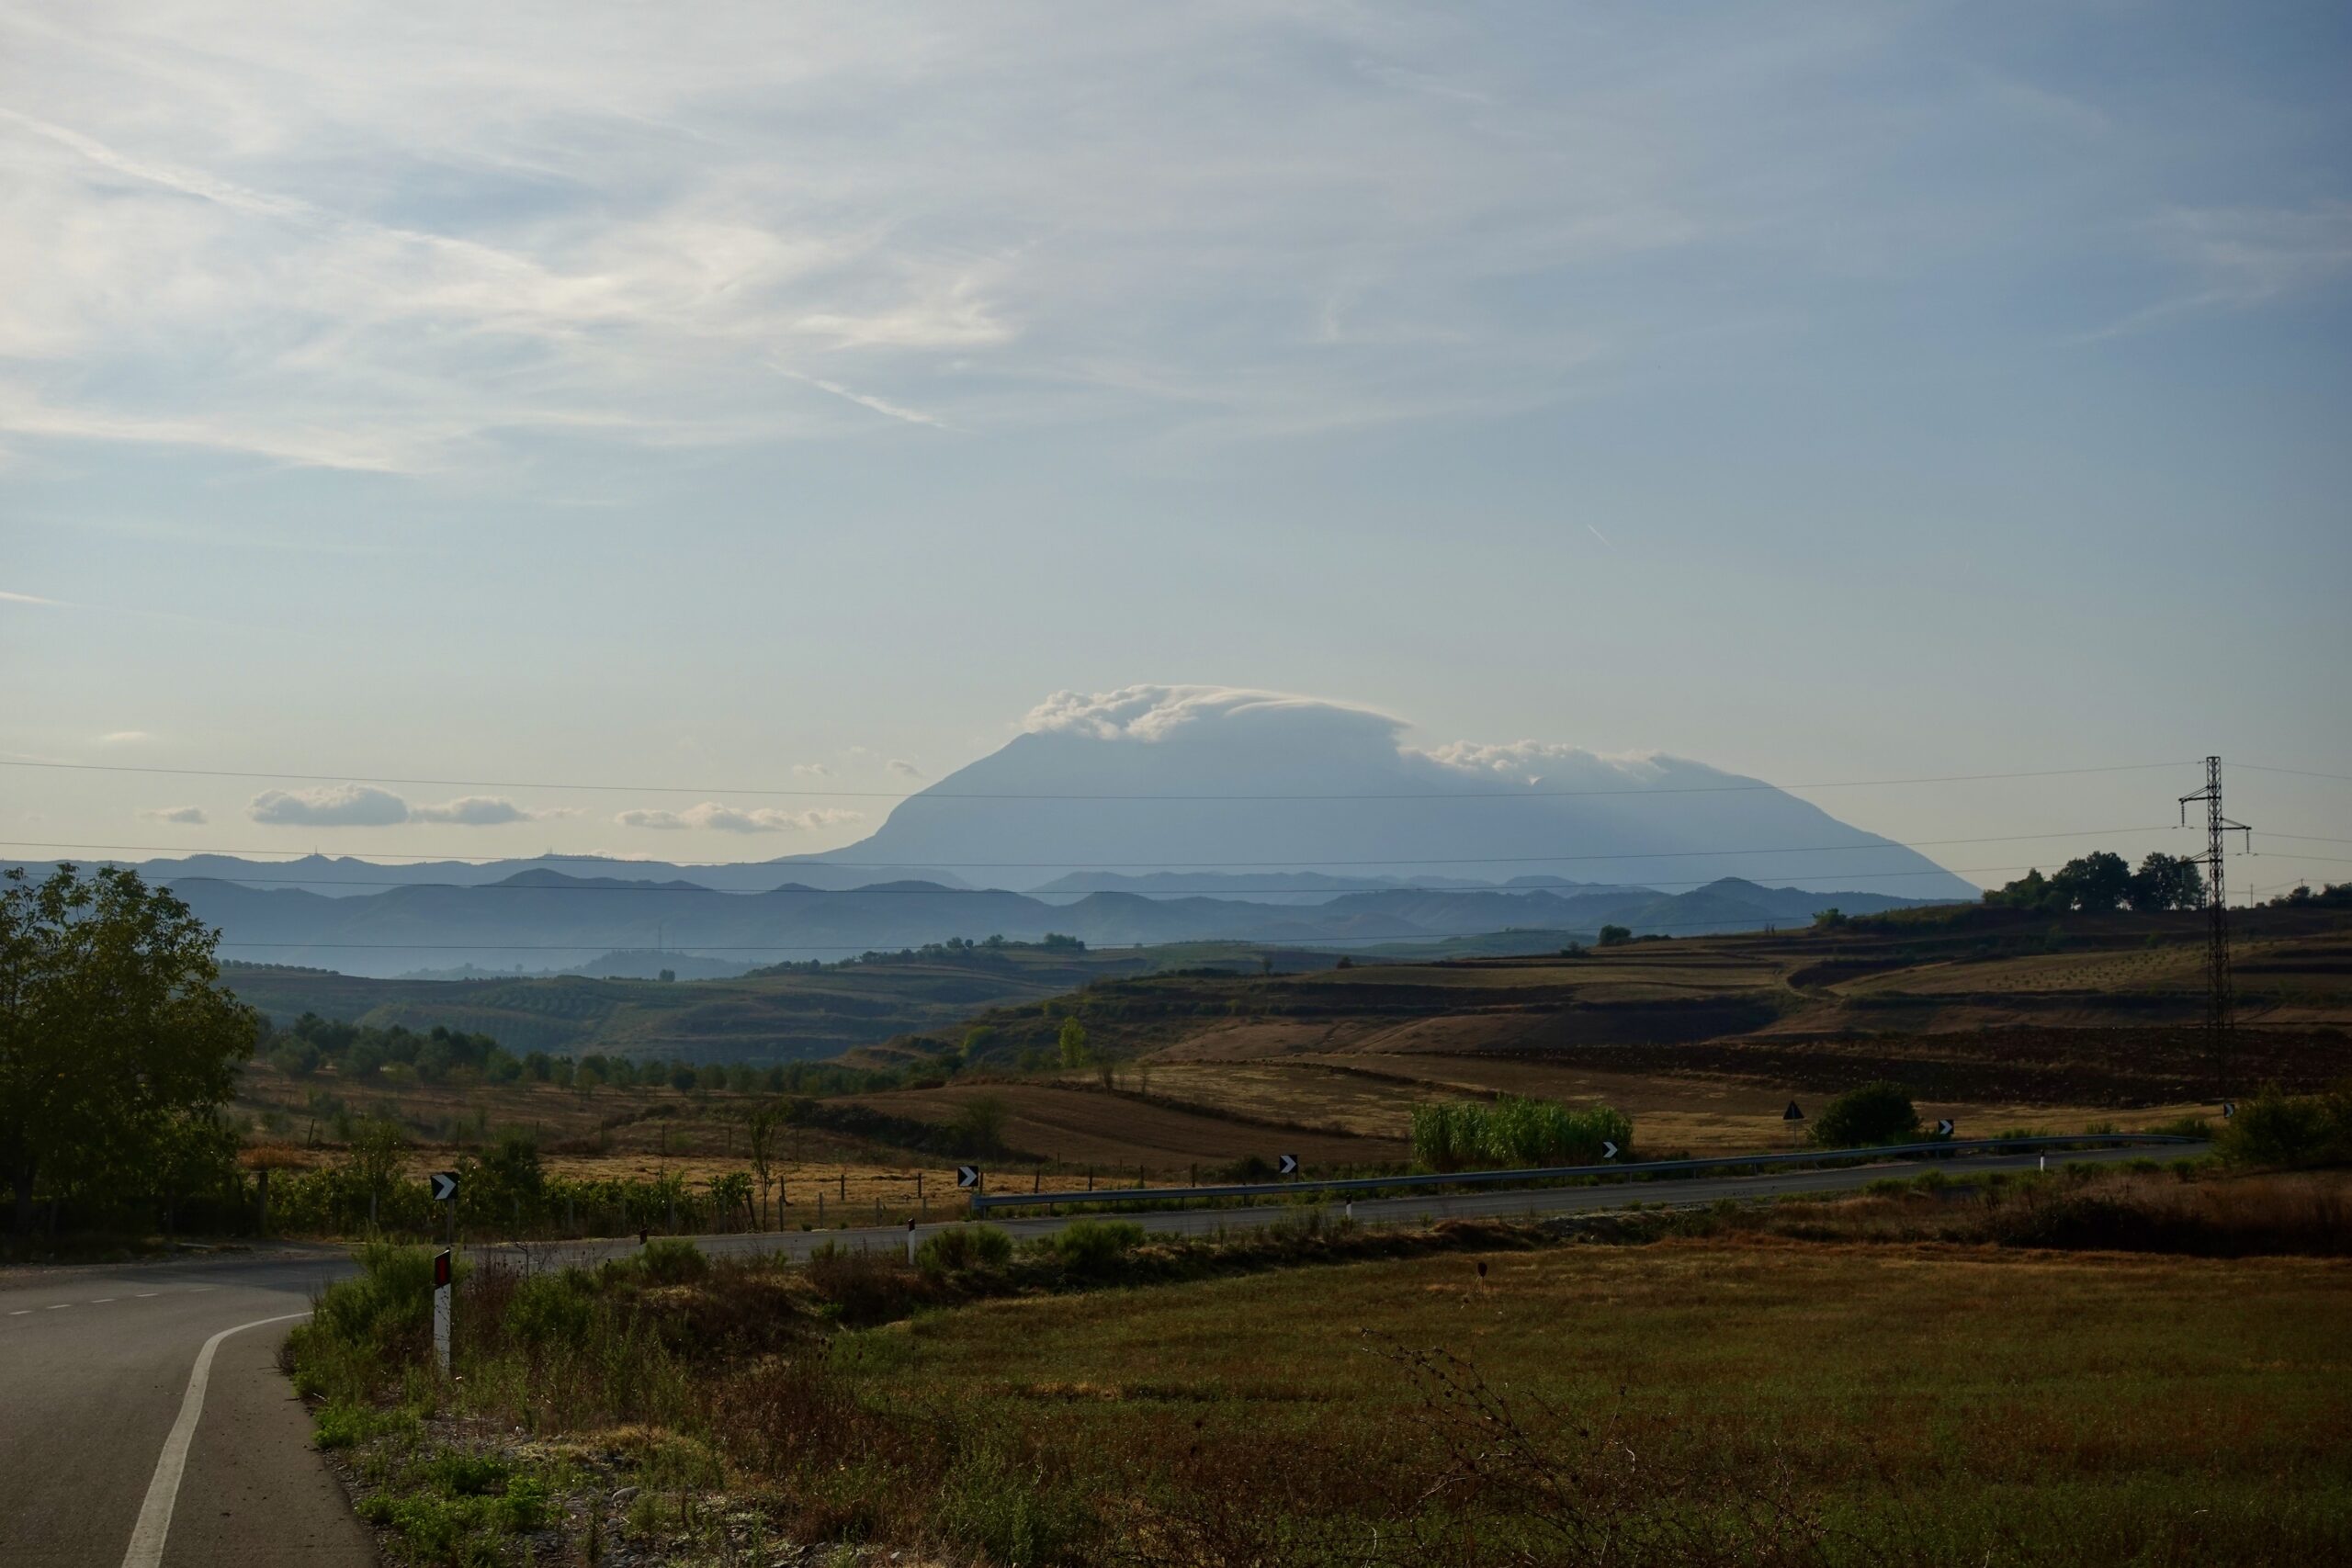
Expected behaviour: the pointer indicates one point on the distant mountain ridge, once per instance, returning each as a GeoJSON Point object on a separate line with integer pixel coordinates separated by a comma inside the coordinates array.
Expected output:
{"type": "Point", "coordinates": [544, 919]}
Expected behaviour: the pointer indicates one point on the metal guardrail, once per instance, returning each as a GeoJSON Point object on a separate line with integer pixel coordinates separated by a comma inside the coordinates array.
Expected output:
{"type": "Point", "coordinates": [983, 1202]}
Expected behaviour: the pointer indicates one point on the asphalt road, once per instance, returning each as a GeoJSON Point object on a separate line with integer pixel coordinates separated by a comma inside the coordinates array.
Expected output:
{"type": "Point", "coordinates": [95, 1371]}
{"type": "Point", "coordinates": [114, 1452]}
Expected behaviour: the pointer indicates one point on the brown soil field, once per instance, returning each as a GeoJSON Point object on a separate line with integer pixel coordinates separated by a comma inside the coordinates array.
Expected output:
{"type": "Point", "coordinates": [1671, 1112]}
{"type": "Point", "coordinates": [1072, 1125]}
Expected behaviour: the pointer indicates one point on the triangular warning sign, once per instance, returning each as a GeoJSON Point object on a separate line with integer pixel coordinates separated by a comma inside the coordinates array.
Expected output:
{"type": "Point", "coordinates": [1792, 1113]}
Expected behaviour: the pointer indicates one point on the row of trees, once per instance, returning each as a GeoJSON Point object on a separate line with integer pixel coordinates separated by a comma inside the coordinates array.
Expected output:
{"type": "Point", "coordinates": [365, 1053]}
{"type": "Point", "coordinates": [2100, 881]}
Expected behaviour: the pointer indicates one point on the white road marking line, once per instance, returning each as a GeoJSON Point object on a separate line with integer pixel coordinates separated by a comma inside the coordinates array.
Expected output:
{"type": "Point", "coordinates": [20, 1312]}
{"type": "Point", "coordinates": [155, 1515]}
{"type": "Point", "coordinates": [59, 1307]}
{"type": "Point", "coordinates": [148, 1296]}
{"type": "Point", "coordinates": [101, 1301]}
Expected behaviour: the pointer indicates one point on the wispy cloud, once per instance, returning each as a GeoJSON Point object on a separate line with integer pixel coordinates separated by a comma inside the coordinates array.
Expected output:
{"type": "Point", "coordinates": [183, 815]}
{"type": "Point", "coordinates": [2238, 258]}
{"type": "Point", "coordinates": [786, 223]}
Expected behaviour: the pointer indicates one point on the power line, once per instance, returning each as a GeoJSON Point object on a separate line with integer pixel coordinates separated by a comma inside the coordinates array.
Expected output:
{"type": "Point", "coordinates": [2300, 772]}
{"type": "Point", "coordinates": [985, 794]}
{"type": "Point", "coordinates": [1136, 866]}
{"type": "Point", "coordinates": [1140, 867]}
{"type": "Point", "coordinates": [691, 948]}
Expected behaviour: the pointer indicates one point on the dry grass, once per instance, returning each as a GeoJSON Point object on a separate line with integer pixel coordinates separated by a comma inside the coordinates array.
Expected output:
{"type": "Point", "coordinates": [1926, 1404]}
{"type": "Point", "coordinates": [1703, 1114]}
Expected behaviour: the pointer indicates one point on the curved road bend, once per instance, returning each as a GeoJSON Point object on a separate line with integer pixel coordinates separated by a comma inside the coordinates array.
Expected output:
{"type": "Point", "coordinates": [95, 1370]}
{"type": "Point", "coordinates": [96, 1367]}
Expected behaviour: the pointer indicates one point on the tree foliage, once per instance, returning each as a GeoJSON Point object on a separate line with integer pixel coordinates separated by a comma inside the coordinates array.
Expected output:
{"type": "Point", "coordinates": [2100, 882]}
{"type": "Point", "coordinates": [116, 1034]}
{"type": "Point", "coordinates": [1878, 1113]}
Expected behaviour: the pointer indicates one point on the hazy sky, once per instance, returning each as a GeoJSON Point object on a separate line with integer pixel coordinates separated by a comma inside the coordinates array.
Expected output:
{"type": "Point", "coordinates": [709, 395]}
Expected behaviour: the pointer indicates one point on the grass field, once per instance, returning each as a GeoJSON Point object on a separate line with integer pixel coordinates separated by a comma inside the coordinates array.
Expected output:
{"type": "Point", "coordinates": [1804, 1384]}
{"type": "Point", "coordinates": [1924, 1405]}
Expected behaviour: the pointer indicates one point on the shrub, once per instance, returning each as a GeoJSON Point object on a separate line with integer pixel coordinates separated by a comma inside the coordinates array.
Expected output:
{"type": "Point", "coordinates": [550, 1308]}
{"type": "Point", "coordinates": [864, 1287]}
{"type": "Point", "coordinates": [2291, 1129]}
{"type": "Point", "coordinates": [1095, 1246]}
{"type": "Point", "coordinates": [964, 1247]}
{"type": "Point", "coordinates": [1516, 1132]}
{"type": "Point", "coordinates": [669, 1260]}
{"type": "Point", "coordinates": [1878, 1113]}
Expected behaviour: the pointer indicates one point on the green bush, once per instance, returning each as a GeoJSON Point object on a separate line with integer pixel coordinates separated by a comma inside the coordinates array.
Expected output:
{"type": "Point", "coordinates": [964, 1247]}
{"type": "Point", "coordinates": [1516, 1132]}
{"type": "Point", "coordinates": [361, 1323]}
{"type": "Point", "coordinates": [669, 1260]}
{"type": "Point", "coordinates": [1095, 1246]}
{"type": "Point", "coordinates": [550, 1308]}
{"type": "Point", "coordinates": [2291, 1129]}
{"type": "Point", "coordinates": [1878, 1113]}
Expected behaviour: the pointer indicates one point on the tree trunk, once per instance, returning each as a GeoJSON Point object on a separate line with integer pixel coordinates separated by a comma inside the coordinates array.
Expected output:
{"type": "Point", "coordinates": [24, 1185]}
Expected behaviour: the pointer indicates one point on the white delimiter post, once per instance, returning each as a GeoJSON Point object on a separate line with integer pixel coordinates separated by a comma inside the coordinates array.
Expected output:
{"type": "Point", "coordinates": [441, 1326]}
{"type": "Point", "coordinates": [910, 1241]}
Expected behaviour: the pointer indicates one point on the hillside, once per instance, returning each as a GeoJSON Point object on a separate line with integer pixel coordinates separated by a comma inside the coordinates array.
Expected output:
{"type": "Point", "coordinates": [802, 1016]}
{"type": "Point", "coordinates": [1990, 1003]}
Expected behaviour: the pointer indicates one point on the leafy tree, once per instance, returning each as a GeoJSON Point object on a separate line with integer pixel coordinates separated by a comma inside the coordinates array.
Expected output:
{"type": "Point", "coordinates": [1614, 936]}
{"type": "Point", "coordinates": [2095, 882]}
{"type": "Point", "coordinates": [1828, 920]}
{"type": "Point", "coordinates": [2031, 891]}
{"type": "Point", "coordinates": [2166, 882]}
{"type": "Point", "coordinates": [1878, 1113]}
{"type": "Point", "coordinates": [759, 1136]}
{"type": "Point", "coordinates": [195, 1153]}
{"type": "Point", "coordinates": [112, 1022]}
{"type": "Point", "coordinates": [1072, 1043]}
{"type": "Point", "coordinates": [373, 1160]}
{"type": "Point", "coordinates": [731, 1196]}
{"type": "Point", "coordinates": [978, 1126]}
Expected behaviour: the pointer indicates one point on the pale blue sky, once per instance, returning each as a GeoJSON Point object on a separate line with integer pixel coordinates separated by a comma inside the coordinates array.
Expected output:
{"type": "Point", "coordinates": [690, 394]}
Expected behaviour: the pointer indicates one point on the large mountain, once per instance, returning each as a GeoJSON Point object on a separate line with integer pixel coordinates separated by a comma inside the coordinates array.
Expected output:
{"type": "Point", "coordinates": [1195, 778]}
{"type": "Point", "coordinates": [1153, 813]}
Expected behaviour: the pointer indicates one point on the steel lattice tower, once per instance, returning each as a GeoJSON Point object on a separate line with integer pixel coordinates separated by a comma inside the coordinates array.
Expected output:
{"type": "Point", "coordinates": [2221, 1003]}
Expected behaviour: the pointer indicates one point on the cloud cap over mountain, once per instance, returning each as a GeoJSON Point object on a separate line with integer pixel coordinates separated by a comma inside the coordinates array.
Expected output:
{"type": "Point", "coordinates": [1196, 776]}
